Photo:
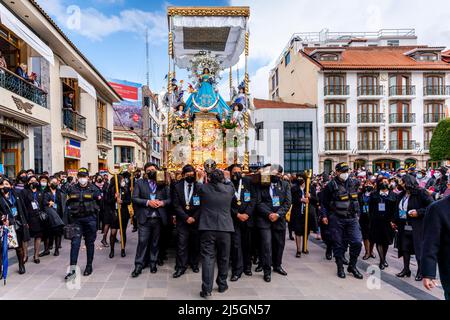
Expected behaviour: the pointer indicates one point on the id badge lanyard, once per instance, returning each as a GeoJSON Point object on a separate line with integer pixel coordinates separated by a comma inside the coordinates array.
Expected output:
{"type": "Point", "coordinates": [404, 208]}
{"type": "Point", "coordinates": [187, 195]}
{"type": "Point", "coordinates": [238, 193]}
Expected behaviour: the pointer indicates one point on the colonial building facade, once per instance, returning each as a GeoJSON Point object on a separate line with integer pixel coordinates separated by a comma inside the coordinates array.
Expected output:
{"type": "Point", "coordinates": [379, 96]}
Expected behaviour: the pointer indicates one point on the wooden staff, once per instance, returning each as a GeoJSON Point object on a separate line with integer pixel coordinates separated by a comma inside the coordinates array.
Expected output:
{"type": "Point", "coordinates": [116, 180]}
{"type": "Point", "coordinates": [130, 207]}
{"type": "Point", "coordinates": [305, 238]}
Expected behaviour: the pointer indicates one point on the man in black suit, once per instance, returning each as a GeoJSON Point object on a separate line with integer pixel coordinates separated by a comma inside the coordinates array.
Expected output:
{"type": "Point", "coordinates": [436, 245]}
{"type": "Point", "coordinates": [244, 205]}
{"type": "Point", "coordinates": [216, 227]}
{"type": "Point", "coordinates": [273, 203]}
{"type": "Point", "coordinates": [186, 203]}
{"type": "Point", "coordinates": [150, 201]}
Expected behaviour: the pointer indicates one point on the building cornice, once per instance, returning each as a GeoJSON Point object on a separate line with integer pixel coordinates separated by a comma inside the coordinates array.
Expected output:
{"type": "Point", "coordinates": [209, 11]}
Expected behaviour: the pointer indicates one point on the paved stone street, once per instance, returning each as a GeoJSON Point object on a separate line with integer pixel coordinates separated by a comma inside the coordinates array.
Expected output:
{"type": "Point", "coordinates": [311, 277]}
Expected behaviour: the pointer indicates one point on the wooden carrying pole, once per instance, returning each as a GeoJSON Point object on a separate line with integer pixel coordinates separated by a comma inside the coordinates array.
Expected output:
{"type": "Point", "coordinates": [116, 180]}
{"type": "Point", "coordinates": [130, 207]}
{"type": "Point", "coordinates": [308, 183]}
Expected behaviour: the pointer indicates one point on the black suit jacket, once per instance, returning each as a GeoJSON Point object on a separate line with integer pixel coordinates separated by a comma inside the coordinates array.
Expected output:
{"type": "Point", "coordinates": [179, 203]}
{"type": "Point", "coordinates": [142, 194]}
{"type": "Point", "coordinates": [436, 243]}
{"type": "Point", "coordinates": [245, 207]}
{"type": "Point", "coordinates": [265, 206]}
{"type": "Point", "coordinates": [216, 210]}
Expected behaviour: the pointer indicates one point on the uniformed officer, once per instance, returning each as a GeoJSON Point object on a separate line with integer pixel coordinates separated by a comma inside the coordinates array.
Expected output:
{"type": "Point", "coordinates": [340, 200]}
{"type": "Point", "coordinates": [244, 204]}
{"type": "Point", "coordinates": [82, 208]}
{"type": "Point", "coordinates": [273, 203]}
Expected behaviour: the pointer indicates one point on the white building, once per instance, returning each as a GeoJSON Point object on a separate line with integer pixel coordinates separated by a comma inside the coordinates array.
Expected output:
{"type": "Point", "coordinates": [379, 96]}
{"type": "Point", "coordinates": [35, 131]}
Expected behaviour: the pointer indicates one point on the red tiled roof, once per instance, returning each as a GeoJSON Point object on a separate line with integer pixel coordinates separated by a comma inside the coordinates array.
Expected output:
{"type": "Point", "coordinates": [270, 104]}
{"type": "Point", "coordinates": [380, 58]}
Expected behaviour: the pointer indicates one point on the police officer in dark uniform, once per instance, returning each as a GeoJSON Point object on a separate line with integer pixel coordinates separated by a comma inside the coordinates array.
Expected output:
{"type": "Point", "coordinates": [82, 208]}
{"type": "Point", "coordinates": [244, 204]}
{"type": "Point", "coordinates": [340, 200]}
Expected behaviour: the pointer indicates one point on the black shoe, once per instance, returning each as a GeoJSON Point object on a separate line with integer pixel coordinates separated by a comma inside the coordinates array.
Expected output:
{"type": "Point", "coordinates": [355, 272]}
{"type": "Point", "coordinates": [160, 262]}
{"type": "Point", "coordinates": [50, 248]}
{"type": "Point", "coordinates": [267, 278]}
{"type": "Point", "coordinates": [223, 289]}
{"type": "Point", "coordinates": [37, 261]}
{"type": "Point", "coordinates": [178, 273]}
{"type": "Point", "coordinates": [345, 261]}
{"type": "Point", "coordinates": [195, 269]}
{"type": "Point", "coordinates": [70, 275]}
{"type": "Point", "coordinates": [386, 265]}
{"type": "Point", "coordinates": [419, 277]}
{"type": "Point", "coordinates": [404, 273]}
{"type": "Point", "coordinates": [381, 266]}
{"type": "Point", "coordinates": [306, 251]}
{"type": "Point", "coordinates": [259, 269]}
{"type": "Point", "coordinates": [22, 269]}
{"type": "Point", "coordinates": [291, 238]}
{"type": "Point", "coordinates": [204, 294]}
{"type": "Point", "coordinates": [248, 273]}
{"type": "Point", "coordinates": [298, 255]}
{"type": "Point", "coordinates": [122, 253]}
{"type": "Point", "coordinates": [329, 255]}
{"type": "Point", "coordinates": [280, 270]}
{"type": "Point", "coordinates": [56, 254]}
{"type": "Point", "coordinates": [111, 254]}
{"type": "Point", "coordinates": [153, 269]}
{"type": "Point", "coordinates": [44, 254]}
{"type": "Point", "coordinates": [341, 272]}
{"type": "Point", "coordinates": [137, 272]}
{"type": "Point", "coordinates": [235, 278]}
{"type": "Point", "coordinates": [87, 271]}
{"type": "Point", "coordinates": [104, 243]}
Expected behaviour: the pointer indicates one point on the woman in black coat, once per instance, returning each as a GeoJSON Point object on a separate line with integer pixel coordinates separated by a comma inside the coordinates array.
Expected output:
{"type": "Point", "coordinates": [382, 209]}
{"type": "Point", "coordinates": [364, 220]}
{"type": "Point", "coordinates": [12, 210]}
{"type": "Point", "coordinates": [33, 197]}
{"type": "Point", "coordinates": [410, 210]}
{"type": "Point", "coordinates": [125, 201]}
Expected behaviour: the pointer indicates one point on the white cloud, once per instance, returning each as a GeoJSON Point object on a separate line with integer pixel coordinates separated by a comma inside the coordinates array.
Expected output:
{"type": "Point", "coordinates": [273, 22]}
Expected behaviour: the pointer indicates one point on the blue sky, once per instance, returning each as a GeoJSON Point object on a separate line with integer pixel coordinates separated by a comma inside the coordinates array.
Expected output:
{"type": "Point", "coordinates": [111, 32]}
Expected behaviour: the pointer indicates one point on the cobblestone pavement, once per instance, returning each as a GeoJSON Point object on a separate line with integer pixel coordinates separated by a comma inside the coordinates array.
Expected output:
{"type": "Point", "coordinates": [311, 277]}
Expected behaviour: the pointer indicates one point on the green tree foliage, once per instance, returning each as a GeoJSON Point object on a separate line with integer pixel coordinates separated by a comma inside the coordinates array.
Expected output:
{"type": "Point", "coordinates": [440, 143]}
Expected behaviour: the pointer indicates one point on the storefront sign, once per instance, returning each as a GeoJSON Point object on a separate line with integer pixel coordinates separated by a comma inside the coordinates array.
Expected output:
{"type": "Point", "coordinates": [72, 149]}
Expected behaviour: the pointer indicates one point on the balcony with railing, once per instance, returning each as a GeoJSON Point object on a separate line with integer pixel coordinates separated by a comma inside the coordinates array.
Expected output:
{"type": "Point", "coordinates": [433, 117]}
{"type": "Point", "coordinates": [404, 118]}
{"type": "Point", "coordinates": [370, 91]}
{"type": "Point", "coordinates": [104, 137]}
{"type": "Point", "coordinates": [22, 87]}
{"type": "Point", "coordinates": [370, 145]}
{"type": "Point", "coordinates": [73, 124]}
{"type": "Point", "coordinates": [337, 145]}
{"type": "Point", "coordinates": [337, 118]}
{"type": "Point", "coordinates": [402, 91]}
{"type": "Point", "coordinates": [402, 145]}
{"type": "Point", "coordinates": [426, 145]}
{"type": "Point", "coordinates": [336, 91]}
{"type": "Point", "coordinates": [436, 91]}
{"type": "Point", "coordinates": [370, 118]}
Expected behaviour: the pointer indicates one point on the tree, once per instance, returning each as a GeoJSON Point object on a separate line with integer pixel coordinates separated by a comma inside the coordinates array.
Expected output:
{"type": "Point", "coordinates": [440, 143]}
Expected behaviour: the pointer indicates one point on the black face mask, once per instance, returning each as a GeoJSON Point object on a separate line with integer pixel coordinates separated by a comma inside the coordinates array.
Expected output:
{"type": "Point", "coordinates": [190, 179]}
{"type": "Point", "coordinates": [237, 176]}
{"type": "Point", "coordinates": [53, 186]}
{"type": "Point", "coordinates": [151, 175]}
{"type": "Point", "coordinates": [274, 179]}
{"type": "Point", "coordinates": [369, 189]}
{"type": "Point", "coordinates": [23, 179]}
{"type": "Point", "coordinates": [34, 185]}
{"type": "Point", "coordinates": [6, 190]}
{"type": "Point", "coordinates": [384, 186]}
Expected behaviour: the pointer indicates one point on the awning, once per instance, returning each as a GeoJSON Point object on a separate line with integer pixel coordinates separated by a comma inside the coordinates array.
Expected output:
{"type": "Point", "coordinates": [224, 37]}
{"type": "Point", "coordinates": [69, 72]}
{"type": "Point", "coordinates": [10, 21]}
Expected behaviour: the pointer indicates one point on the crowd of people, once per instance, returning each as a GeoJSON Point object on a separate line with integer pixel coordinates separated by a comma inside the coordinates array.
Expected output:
{"type": "Point", "coordinates": [236, 219]}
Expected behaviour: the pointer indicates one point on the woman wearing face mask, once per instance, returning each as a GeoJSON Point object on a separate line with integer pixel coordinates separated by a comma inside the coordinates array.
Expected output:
{"type": "Point", "coordinates": [101, 218]}
{"type": "Point", "coordinates": [12, 209]}
{"type": "Point", "coordinates": [53, 200]}
{"type": "Point", "coordinates": [364, 222]}
{"type": "Point", "coordinates": [122, 198]}
{"type": "Point", "coordinates": [33, 197]}
{"type": "Point", "coordinates": [410, 211]}
{"type": "Point", "coordinates": [382, 208]}
{"type": "Point", "coordinates": [299, 202]}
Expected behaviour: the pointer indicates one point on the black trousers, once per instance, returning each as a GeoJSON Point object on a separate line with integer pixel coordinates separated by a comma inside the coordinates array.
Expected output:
{"type": "Point", "coordinates": [212, 244]}
{"type": "Point", "coordinates": [272, 248]}
{"type": "Point", "coordinates": [241, 249]}
{"type": "Point", "coordinates": [188, 246]}
{"type": "Point", "coordinates": [149, 234]}
{"type": "Point", "coordinates": [345, 232]}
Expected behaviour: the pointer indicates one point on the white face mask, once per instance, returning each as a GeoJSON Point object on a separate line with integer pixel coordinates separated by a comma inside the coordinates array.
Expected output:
{"type": "Point", "coordinates": [437, 175]}
{"type": "Point", "coordinates": [419, 176]}
{"type": "Point", "coordinates": [83, 181]}
{"type": "Point", "coordinates": [123, 184]}
{"type": "Point", "coordinates": [44, 184]}
{"type": "Point", "coordinates": [344, 176]}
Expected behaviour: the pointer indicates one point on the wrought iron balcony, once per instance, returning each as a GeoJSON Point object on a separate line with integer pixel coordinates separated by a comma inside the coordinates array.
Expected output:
{"type": "Point", "coordinates": [74, 121]}
{"type": "Point", "coordinates": [433, 117]}
{"type": "Point", "coordinates": [436, 91]}
{"type": "Point", "coordinates": [337, 145]}
{"type": "Point", "coordinates": [337, 118]}
{"type": "Point", "coordinates": [337, 90]}
{"type": "Point", "coordinates": [402, 118]}
{"type": "Point", "coordinates": [402, 145]}
{"type": "Point", "coordinates": [104, 136]}
{"type": "Point", "coordinates": [402, 91]}
{"type": "Point", "coordinates": [370, 145]}
{"type": "Point", "coordinates": [370, 91]}
{"type": "Point", "coordinates": [22, 87]}
{"type": "Point", "coordinates": [371, 118]}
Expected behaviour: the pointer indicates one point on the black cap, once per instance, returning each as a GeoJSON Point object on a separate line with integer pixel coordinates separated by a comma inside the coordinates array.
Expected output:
{"type": "Point", "coordinates": [342, 167]}
{"type": "Point", "coordinates": [83, 172]}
